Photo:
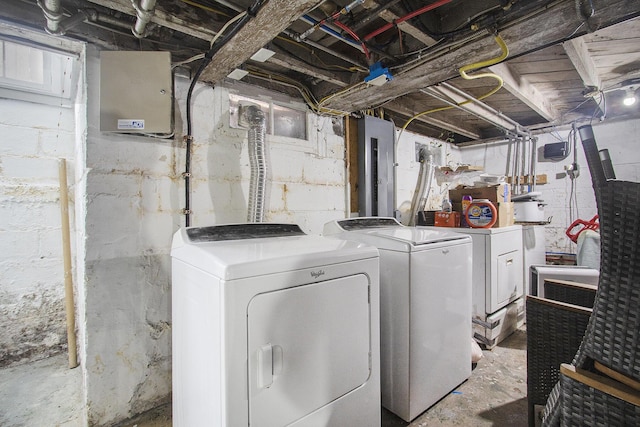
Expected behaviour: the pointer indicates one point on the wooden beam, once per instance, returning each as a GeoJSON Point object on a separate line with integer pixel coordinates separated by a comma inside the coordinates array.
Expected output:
{"type": "Point", "coordinates": [579, 56]}
{"type": "Point", "coordinates": [272, 19]}
{"type": "Point", "coordinates": [408, 28]}
{"type": "Point", "coordinates": [551, 25]}
{"type": "Point", "coordinates": [458, 128]}
{"type": "Point", "coordinates": [520, 87]}
{"type": "Point", "coordinates": [301, 67]}
{"type": "Point", "coordinates": [474, 108]}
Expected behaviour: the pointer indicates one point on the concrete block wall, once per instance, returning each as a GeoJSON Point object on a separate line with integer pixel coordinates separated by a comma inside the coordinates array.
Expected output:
{"type": "Point", "coordinates": [34, 138]}
{"type": "Point", "coordinates": [620, 137]}
{"type": "Point", "coordinates": [134, 198]}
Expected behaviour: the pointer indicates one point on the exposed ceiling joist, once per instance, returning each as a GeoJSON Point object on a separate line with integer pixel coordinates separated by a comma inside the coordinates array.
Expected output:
{"type": "Point", "coordinates": [474, 108]}
{"type": "Point", "coordinates": [549, 25]}
{"type": "Point", "coordinates": [579, 56]}
{"type": "Point", "coordinates": [525, 92]}
{"type": "Point", "coordinates": [408, 28]}
{"type": "Point", "coordinates": [544, 75]}
{"type": "Point", "coordinates": [458, 128]}
{"type": "Point", "coordinates": [301, 67]}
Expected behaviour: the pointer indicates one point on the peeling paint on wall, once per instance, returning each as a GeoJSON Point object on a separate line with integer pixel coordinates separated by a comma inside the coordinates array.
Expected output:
{"type": "Point", "coordinates": [31, 268]}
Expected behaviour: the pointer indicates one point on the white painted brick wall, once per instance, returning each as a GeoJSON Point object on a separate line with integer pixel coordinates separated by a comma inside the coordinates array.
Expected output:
{"type": "Point", "coordinates": [31, 267]}
{"type": "Point", "coordinates": [619, 137]}
{"type": "Point", "coordinates": [135, 194]}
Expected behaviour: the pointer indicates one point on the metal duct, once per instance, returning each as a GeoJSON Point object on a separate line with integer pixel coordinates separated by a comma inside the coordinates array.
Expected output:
{"type": "Point", "coordinates": [258, 163]}
{"type": "Point", "coordinates": [423, 185]}
{"type": "Point", "coordinates": [144, 11]}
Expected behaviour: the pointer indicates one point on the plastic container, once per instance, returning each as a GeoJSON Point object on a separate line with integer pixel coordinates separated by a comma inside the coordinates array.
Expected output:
{"type": "Point", "coordinates": [481, 214]}
{"type": "Point", "coordinates": [446, 205]}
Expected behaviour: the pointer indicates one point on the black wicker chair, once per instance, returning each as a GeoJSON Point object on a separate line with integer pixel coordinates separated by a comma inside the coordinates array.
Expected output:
{"type": "Point", "coordinates": [612, 339]}
{"type": "Point", "coordinates": [555, 327]}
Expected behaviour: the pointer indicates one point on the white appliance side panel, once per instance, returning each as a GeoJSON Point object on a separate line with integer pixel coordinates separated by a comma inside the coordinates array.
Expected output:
{"type": "Point", "coordinates": [481, 273]}
{"type": "Point", "coordinates": [534, 253]}
{"type": "Point", "coordinates": [506, 276]}
{"type": "Point", "coordinates": [394, 330]}
{"type": "Point", "coordinates": [440, 349]}
{"type": "Point", "coordinates": [307, 346]}
{"type": "Point", "coordinates": [197, 334]}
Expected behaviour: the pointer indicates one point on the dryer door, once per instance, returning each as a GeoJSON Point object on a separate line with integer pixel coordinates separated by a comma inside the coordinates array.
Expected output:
{"type": "Point", "coordinates": [308, 346]}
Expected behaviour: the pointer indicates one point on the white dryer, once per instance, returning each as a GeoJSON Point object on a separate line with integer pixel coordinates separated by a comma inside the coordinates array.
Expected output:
{"type": "Point", "coordinates": [272, 327]}
{"type": "Point", "coordinates": [425, 309]}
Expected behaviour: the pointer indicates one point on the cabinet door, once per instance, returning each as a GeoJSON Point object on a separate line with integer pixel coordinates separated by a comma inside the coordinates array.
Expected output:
{"type": "Point", "coordinates": [308, 345]}
{"type": "Point", "coordinates": [509, 278]}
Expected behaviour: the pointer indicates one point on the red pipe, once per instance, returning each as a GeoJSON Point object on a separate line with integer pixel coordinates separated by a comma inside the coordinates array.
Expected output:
{"type": "Point", "coordinates": [354, 35]}
{"type": "Point", "coordinates": [405, 18]}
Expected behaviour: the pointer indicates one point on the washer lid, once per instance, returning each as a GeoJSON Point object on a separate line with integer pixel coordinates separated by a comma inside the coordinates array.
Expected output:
{"type": "Point", "coordinates": [251, 256]}
{"type": "Point", "coordinates": [388, 233]}
{"type": "Point", "coordinates": [415, 236]}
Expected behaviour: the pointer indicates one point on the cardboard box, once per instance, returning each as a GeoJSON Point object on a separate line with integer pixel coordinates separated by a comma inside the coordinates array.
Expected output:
{"type": "Point", "coordinates": [447, 219]}
{"type": "Point", "coordinates": [496, 194]}
{"type": "Point", "coordinates": [505, 214]}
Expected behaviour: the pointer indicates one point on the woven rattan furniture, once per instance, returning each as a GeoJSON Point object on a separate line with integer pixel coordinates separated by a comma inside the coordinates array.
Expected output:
{"type": "Point", "coordinates": [575, 293]}
{"type": "Point", "coordinates": [612, 337]}
{"type": "Point", "coordinates": [555, 327]}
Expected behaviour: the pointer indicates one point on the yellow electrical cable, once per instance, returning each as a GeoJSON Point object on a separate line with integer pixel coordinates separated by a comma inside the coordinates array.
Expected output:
{"type": "Point", "coordinates": [306, 95]}
{"type": "Point", "coordinates": [463, 73]}
{"type": "Point", "coordinates": [343, 91]}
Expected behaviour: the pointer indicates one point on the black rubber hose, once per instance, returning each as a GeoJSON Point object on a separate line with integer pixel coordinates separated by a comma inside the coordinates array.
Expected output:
{"type": "Point", "coordinates": [251, 13]}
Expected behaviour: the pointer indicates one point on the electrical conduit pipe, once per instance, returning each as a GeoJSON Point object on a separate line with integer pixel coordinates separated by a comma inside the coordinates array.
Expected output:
{"type": "Point", "coordinates": [144, 11]}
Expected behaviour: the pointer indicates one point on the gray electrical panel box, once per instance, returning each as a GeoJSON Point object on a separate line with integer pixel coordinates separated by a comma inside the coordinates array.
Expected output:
{"type": "Point", "coordinates": [376, 184]}
{"type": "Point", "coordinates": [135, 92]}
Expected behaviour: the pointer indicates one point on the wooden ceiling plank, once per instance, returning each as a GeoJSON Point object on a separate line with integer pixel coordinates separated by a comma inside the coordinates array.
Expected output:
{"type": "Point", "coordinates": [527, 93]}
{"type": "Point", "coordinates": [579, 55]}
{"type": "Point", "coordinates": [550, 26]}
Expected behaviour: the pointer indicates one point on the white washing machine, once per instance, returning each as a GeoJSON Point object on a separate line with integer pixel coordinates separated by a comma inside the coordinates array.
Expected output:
{"type": "Point", "coordinates": [425, 309]}
{"type": "Point", "coordinates": [272, 327]}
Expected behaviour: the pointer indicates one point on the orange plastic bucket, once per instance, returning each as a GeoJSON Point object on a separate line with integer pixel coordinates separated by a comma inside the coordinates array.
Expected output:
{"type": "Point", "coordinates": [481, 214]}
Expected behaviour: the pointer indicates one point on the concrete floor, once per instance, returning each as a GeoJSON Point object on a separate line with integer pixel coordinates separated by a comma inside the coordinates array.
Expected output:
{"type": "Point", "coordinates": [47, 393]}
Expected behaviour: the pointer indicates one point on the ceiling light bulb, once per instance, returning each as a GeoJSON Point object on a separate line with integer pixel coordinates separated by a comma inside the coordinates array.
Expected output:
{"type": "Point", "coordinates": [629, 98]}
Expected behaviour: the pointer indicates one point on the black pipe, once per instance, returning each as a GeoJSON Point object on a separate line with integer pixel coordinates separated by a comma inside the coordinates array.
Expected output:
{"type": "Point", "coordinates": [251, 13]}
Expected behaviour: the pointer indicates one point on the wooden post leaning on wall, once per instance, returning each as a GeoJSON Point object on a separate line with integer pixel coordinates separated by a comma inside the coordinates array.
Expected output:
{"type": "Point", "coordinates": [351, 148]}
{"type": "Point", "coordinates": [68, 272]}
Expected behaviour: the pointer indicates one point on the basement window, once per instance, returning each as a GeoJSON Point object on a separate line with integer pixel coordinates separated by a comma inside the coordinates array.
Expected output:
{"type": "Point", "coordinates": [35, 74]}
{"type": "Point", "coordinates": [282, 119]}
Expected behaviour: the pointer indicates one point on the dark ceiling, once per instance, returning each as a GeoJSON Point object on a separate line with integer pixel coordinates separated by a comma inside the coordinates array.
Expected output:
{"type": "Point", "coordinates": [567, 60]}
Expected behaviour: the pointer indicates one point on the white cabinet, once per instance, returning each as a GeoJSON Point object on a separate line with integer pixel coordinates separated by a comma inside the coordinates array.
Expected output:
{"type": "Point", "coordinates": [498, 288]}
